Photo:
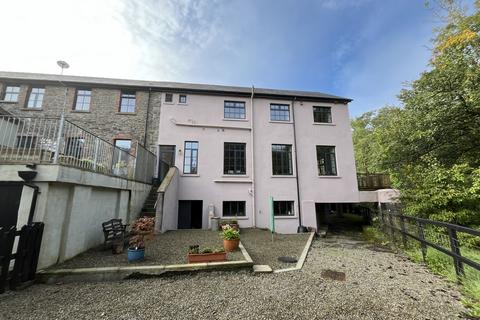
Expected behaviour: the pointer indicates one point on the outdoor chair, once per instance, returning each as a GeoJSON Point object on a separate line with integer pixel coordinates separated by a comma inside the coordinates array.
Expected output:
{"type": "Point", "coordinates": [114, 231]}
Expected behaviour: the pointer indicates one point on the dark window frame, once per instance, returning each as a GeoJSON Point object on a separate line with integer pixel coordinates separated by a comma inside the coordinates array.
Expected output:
{"type": "Point", "coordinates": [171, 95]}
{"type": "Point", "coordinates": [277, 112]}
{"type": "Point", "coordinates": [128, 93]}
{"type": "Point", "coordinates": [326, 160]}
{"type": "Point", "coordinates": [234, 158]}
{"type": "Point", "coordinates": [26, 141]}
{"type": "Point", "coordinates": [74, 107]}
{"type": "Point", "coordinates": [191, 158]}
{"type": "Point", "coordinates": [234, 206]}
{"type": "Point", "coordinates": [233, 112]}
{"type": "Point", "coordinates": [27, 100]}
{"type": "Point", "coordinates": [320, 114]}
{"type": "Point", "coordinates": [281, 207]}
{"type": "Point", "coordinates": [129, 149]}
{"type": "Point", "coordinates": [5, 92]}
{"type": "Point", "coordinates": [180, 98]}
{"type": "Point", "coordinates": [282, 160]}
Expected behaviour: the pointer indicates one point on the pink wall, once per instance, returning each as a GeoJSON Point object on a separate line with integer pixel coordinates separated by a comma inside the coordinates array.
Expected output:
{"type": "Point", "coordinates": [201, 119]}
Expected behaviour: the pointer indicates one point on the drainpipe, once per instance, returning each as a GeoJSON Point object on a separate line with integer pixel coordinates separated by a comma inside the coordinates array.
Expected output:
{"type": "Point", "coordinates": [300, 227]}
{"type": "Point", "coordinates": [146, 118]}
{"type": "Point", "coordinates": [253, 158]}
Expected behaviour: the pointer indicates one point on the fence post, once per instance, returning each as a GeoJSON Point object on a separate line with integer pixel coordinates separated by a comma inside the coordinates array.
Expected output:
{"type": "Point", "coordinates": [390, 224]}
{"type": "Point", "coordinates": [421, 235]}
{"type": "Point", "coordinates": [95, 155]}
{"type": "Point", "coordinates": [452, 234]}
{"type": "Point", "coordinates": [402, 227]}
{"type": "Point", "coordinates": [59, 139]}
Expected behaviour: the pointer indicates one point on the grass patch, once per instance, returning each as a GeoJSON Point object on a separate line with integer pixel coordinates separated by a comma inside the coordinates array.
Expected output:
{"type": "Point", "coordinates": [440, 264]}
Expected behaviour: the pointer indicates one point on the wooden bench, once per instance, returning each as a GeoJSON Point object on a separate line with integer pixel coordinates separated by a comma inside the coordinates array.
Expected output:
{"type": "Point", "coordinates": [114, 230]}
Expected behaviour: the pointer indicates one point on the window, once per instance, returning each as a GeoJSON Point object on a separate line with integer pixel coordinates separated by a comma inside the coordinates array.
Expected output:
{"type": "Point", "coordinates": [282, 159]}
{"type": "Point", "coordinates": [279, 112]}
{"type": "Point", "coordinates": [234, 209]}
{"type": "Point", "coordinates": [234, 110]}
{"type": "Point", "coordinates": [26, 142]}
{"type": "Point", "coordinates": [11, 93]}
{"type": "Point", "coordinates": [234, 158]}
{"type": "Point", "coordinates": [35, 98]}
{"type": "Point", "coordinates": [322, 114]}
{"type": "Point", "coordinates": [169, 97]}
{"type": "Point", "coordinates": [190, 159]}
{"type": "Point", "coordinates": [125, 145]}
{"type": "Point", "coordinates": [127, 102]}
{"type": "Point", "coordinates": [82, 100]}
{"type": "Point", "coordinates": [283, 208]}
{"type": "Point", "coordinates": [74, 147]}
{"type": "Point", "coordinates": [182, 98]}
{"type": "Point", "coordinates": [326, 161]}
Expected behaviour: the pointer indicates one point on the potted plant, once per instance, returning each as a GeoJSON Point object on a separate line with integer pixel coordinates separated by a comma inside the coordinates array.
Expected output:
{"type": "Point", "coordinates": [136, 248]}
{"type": "Point", "coordinates": [144, 226]}
{"type": "Point", "coordinates": [231, 223]}
{"type": "Point", "coordinates": [231, 238]}
{"type": "Point", "coordinates": [195, 255]}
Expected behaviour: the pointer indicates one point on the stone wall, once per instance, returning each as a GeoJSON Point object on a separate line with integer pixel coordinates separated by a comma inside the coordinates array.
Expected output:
{"type": "Point", "coordinates": [103, 118]}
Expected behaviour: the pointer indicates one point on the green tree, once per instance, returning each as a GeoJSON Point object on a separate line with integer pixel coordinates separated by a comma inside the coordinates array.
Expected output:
{"type": "Point", "coordinates": [431, 145]}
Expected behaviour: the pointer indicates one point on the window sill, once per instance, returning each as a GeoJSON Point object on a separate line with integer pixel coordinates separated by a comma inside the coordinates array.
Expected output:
{"type": "Point", "coordinates": [81, 111]}
{"type": "Point", "coordinates": [324, 124]}
{"type": "Point", "coordinates": [9, 102]}
{"type": "Point", "coordinates": [234, 175]}
{"type": "Point", "coordinates": [189, 175]}
{"type": "Point", "coordinates": [182, 104]}
{"type": "Point", "coordinates": [234, 119]}
{"type": "Point", "coordinates": [329, 177]}
{"type": "Point", "coordinates": [283, 176]}
{"type": "Point", "coordinates": [285, 217]}
{"type": "Point", "coordinates": [32, 109]}
{"type": "Point", "coordinates": [171, 103]}
{"type": "Point", "coordinates": [233, 218]}
{"type": "Point", "coordinates": [278, 121]}
{"type": "Point", "coordinates": [232, 181]}
{"type": "Point", "coordinates": [127, 113]}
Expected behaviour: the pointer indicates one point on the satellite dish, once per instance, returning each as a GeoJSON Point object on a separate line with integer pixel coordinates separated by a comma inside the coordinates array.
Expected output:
{"type": "Point", "coordinates": [62, 64]}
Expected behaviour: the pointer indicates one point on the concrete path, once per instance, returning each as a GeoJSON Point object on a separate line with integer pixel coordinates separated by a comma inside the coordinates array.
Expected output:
{"type": "Point", "coordinates": [370, 284]}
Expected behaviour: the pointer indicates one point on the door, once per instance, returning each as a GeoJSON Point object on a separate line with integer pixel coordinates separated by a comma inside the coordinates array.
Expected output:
{"type": "Point", "coordinates": [190, 213]}
{"type": "Point", "coordinates": [10, 193]}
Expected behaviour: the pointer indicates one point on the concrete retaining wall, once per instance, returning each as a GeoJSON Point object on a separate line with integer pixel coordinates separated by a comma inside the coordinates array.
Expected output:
{"type": "Point", "coordinates": [73, 203]}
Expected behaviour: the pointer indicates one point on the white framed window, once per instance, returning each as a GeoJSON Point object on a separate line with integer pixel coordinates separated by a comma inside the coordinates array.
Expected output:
{"type": "Point", "coordinates": [35, 98]}
{"type": "Point", "coordinates": [11, 93]}
{"type": "Point", "coordinates": [182, 98]}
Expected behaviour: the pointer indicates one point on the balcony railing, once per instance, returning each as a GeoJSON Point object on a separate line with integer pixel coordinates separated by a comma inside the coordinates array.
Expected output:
{"type": "Point", "coordinates": [59, 141]}
{"type": "Point", "coordinates": [373, 181]}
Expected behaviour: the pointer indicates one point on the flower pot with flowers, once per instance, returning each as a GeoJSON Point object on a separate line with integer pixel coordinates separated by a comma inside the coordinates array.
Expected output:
{"type": "Point", "coordinates": [195, 255]}
{"type": "Point", "coordinates": [136, 248]}
{"type": "Point", "coordinates": [231, 238]}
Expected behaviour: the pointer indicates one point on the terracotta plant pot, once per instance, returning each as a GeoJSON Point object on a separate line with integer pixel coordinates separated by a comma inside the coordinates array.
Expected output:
{"type": "Point", "coordinates": [231, 245]}
{"type": "Point", "coordinates": [206, 257]}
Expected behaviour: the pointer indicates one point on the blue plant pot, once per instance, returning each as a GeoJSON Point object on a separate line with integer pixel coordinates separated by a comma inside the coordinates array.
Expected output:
{"type": "Point", "coordinates": [136, 254]}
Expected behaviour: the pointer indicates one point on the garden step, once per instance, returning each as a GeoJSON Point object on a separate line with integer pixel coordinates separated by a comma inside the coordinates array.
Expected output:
{"type": "Point", "coordinates": [262, 268]}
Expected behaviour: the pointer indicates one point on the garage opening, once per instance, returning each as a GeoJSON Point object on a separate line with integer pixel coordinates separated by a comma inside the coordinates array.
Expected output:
{"type": "Point", "coordinates": [342, 217]}
{"type": "Point", "coordinates": [190, 214]}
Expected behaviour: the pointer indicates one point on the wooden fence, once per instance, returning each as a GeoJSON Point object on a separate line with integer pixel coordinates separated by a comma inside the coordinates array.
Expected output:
{"type": "Point", "coordinates": [25, 256]}
{"type": "Point", "coordinates": [440, 236]}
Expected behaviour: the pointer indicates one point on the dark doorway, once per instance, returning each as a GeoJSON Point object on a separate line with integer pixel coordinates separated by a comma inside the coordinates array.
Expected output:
{"type": "Point", "coordinates": [190, 214]}
{"type": "Point", "coordinates": [341, 217]}
{"type": "Point", "coordinates": [166, 159]}
{"type": "Point", "coordinates": [10, 194]}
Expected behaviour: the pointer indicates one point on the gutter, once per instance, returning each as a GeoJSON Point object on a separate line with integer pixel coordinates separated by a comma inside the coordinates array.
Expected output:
{"type": "Point", "coordinates": [252, 145]}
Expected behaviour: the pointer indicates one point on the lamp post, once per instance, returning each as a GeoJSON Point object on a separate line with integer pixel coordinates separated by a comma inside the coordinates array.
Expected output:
{"type": "Point", "coordinates": [63, 65]}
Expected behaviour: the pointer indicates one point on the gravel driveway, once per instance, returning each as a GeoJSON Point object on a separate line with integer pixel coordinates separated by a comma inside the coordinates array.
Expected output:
{"type": "Point", "coordinates": [378, 285]}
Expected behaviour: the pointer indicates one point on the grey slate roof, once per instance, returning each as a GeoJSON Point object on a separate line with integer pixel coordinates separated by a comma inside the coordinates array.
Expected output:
{"type": "Point", "coordinates": [173, 86]}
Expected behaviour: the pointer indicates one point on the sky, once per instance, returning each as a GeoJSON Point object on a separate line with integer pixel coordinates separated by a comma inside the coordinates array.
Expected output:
{"type": "Point", "coordinates": [366, 50]}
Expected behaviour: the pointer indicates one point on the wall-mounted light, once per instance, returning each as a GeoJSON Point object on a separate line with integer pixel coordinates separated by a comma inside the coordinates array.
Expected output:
{"type": "Point", "coordinates": [179, 151]}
